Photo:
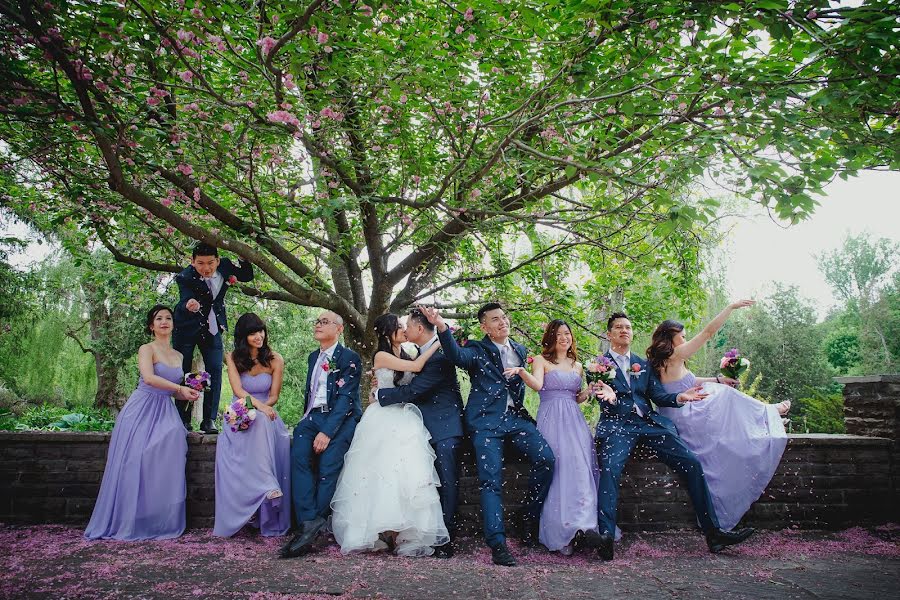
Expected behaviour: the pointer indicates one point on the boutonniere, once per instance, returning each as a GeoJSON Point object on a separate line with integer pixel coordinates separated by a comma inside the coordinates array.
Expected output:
{"type": "Point", "coordinates": [330, 366]}
{"type": "Point", "coordinates": [636, 370]}
{"type": "Point", "coordinates": [231, 280]}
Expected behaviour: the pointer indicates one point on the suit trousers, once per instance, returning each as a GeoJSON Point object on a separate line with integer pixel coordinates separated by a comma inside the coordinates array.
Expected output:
{"type": "Point", "coordinates": [615, 440]}
{"type": "Point", "coordinates": [314, 476]}
{"type": "Point", "coordinates": [488, 445]}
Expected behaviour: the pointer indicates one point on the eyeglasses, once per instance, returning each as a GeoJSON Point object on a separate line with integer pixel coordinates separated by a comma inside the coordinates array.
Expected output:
{"type": "Point", "coordinates": [323, 322]}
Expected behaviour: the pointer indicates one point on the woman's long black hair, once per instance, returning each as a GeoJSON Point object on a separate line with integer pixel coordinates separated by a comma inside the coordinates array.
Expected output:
{"type": "Point", "coordinates": [248, 324]}
{"type": "Point", "coordinates": [385, 327]}
{"type": "Point", "coordinates": [661, 345]}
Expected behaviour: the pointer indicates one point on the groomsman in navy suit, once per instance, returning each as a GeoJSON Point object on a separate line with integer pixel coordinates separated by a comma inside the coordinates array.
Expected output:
{"type": "Point", "coordinates": [200, 321]}
{"type": "Point", "coordinates": [495, 414]}
{"type": "Point", "coordinates": [322, 437]}
{"type": "Point", "coordinates": [435, 390]}
{"type": "Point", "coordinates": [632, 420]}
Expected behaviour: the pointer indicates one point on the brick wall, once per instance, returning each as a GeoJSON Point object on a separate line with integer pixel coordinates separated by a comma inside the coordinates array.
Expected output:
{"type": "Point", "coordinates": [823, 481]}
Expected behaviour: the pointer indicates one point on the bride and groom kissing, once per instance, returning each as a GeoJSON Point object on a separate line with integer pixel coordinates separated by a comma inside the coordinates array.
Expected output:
{"type": "Point", "coordinates": [390, 482]}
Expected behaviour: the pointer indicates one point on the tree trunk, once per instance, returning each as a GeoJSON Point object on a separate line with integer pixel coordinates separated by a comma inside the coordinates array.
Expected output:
{"type": "Point", "coordinates": [107, 383]}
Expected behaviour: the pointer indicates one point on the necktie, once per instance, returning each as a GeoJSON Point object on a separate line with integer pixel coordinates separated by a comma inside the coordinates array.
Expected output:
{"type": "Point", "coordinates": [213, 323]}
{"type": "Point", "coordinates": [623, 366]}
{"type": "Point", "coordinates": [314, 382]}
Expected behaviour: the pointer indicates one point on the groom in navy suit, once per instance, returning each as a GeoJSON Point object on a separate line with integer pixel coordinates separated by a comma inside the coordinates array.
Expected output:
{"type": "Point", "coordinates": [495, 414]}
{"type": "Point", "coordinates": [632, 420]}
{"type": "Point", "coordinates": [435, 390]}
{"type": "Point", "coordinates": [322, 437]}
{"type": "Point", "coordinates": [200, 320]}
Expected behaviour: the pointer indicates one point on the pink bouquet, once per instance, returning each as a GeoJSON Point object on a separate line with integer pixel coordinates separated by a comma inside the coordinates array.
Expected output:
{"type": "Point", "coordinates": [601, 368]}
{"type": "Point", "coordinates": [733, 364]}
{"type": "Point", "coordinates": [240, 415]}
{"type": "Point", "coordinates": [197, 381]}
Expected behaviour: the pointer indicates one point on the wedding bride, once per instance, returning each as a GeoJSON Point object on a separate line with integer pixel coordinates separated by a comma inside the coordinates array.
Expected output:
{"type": "Point", "coordinates": [387, 497]}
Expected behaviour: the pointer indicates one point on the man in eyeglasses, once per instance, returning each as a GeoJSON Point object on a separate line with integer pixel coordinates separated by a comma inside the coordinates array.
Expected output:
{"type": "Point", "coordinates": [323, 435]}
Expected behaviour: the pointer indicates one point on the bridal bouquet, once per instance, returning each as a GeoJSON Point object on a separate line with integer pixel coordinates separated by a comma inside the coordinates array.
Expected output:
{"type": "Point", "coordinates": [240, 415]}
{"type": "Point", "coordinates": [601, 368]}
{"type": "Point", "coordinates": [197, 381]}
{"type": "Point", "coordinates": [733, 364]}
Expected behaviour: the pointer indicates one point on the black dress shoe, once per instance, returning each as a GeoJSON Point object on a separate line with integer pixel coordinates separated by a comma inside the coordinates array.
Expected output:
{"type": "Point", "coordinates": [500, 555]}
{"type": "Point", "coordinates": [717, 539]}
{"type": "Point", "coordinates": [302, 542]}
{"type": "Point", "coordinates": [294, 547]}
{"type": "Point", "coordinates": [445, 551]}
{"type": "Point", "coordinates": [605, 546]}
{"type": "Point", "coordinates": [588, 539]}
{"type": "Point", "coordinates": [208, 427]}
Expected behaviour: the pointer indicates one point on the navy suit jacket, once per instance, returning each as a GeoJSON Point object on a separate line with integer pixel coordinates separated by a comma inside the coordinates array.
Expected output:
{"type": "Point", "coordinates": [644, 388]}
{"type": "Point", "coordinates": [487, 397]}
{"type": "Point", "coordinates": [342, 391]}
{"type": "Point", "coordinates": [435, 390]}
{"type": "Point", "coordinates": [194, 326]}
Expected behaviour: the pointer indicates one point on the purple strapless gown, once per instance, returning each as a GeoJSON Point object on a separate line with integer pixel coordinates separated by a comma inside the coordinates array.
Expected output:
{"type": "Point", "coordinates": [571, 503]}
{"type": "Point", "coordinates": [738, 439]}
{"type": "Point", "coordinates": [143, 490]}
{"type": "Point", "coordinates": [249, 465]}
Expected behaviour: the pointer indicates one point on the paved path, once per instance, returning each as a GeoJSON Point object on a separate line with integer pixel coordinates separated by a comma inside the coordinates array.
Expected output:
{"type": "Point", "coordinates": [55, 562]}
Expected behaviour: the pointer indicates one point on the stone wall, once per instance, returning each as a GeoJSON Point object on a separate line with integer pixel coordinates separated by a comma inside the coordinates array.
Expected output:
{"type": "Point", "coordinates": [872, 408]}
{"type": "Point", "coordinates": [824, 481]}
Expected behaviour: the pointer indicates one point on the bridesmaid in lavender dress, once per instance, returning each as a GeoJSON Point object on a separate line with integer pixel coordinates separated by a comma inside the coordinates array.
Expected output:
{"type": "Point", "coordinates": [143, 490]}
{"type": "Point", "coordinates": [738, 439]}
{"type": "Point", "coordinates": [571, 505]}
{"type": "Point", "coordinates": [253, 466]}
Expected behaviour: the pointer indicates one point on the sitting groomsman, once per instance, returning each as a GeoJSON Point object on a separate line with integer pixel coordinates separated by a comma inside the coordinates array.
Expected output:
{"type": "Point", "coordinates": [632, 420]}
{"type": "Point", "coordinates": [435, 390]}
{"type": "Point", "coordinates": [323, 435]}
{"type": "Point", "coordinates": [495, 414]}
{"type": "Point", "coordinates": [200, 321]}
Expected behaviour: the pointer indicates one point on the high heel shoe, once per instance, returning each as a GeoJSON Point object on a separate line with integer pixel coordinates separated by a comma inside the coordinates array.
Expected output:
{"type": "Point", "coordinates": [783, 407]}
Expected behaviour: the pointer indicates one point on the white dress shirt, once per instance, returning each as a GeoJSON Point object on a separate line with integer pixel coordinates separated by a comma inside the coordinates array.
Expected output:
{"type": "Point", "coordinates": [510, 359]}
{"type": "Point", "coordinates": [321, 398]}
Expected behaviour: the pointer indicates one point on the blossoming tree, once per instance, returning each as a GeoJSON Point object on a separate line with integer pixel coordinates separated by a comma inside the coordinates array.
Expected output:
{"type": "Point", "coordinates": [364, 157]}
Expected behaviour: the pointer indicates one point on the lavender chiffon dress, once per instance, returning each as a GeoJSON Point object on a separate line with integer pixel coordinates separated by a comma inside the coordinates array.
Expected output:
{"type": "Point", "coordinates": [143, 490]}
{"type": "Point", "coordinates": [571, 503]}
{"type": "Point", "coordinates": [738, 439]}
{"type": "Point", "coordinates": [250, 465]}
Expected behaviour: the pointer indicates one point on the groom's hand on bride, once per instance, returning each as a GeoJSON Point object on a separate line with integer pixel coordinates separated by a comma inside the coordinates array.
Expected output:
{"type": "Point", "coordinates": [692, 395]}
{"type": "Point", "coordinates": [320, 443]}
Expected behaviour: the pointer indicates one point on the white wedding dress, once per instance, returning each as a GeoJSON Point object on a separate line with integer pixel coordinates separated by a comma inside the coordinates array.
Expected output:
{"type": "Point", "coordinates": [389, 482]}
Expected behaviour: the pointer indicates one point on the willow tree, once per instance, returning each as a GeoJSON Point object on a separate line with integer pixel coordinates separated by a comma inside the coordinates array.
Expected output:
{"type": "Point", "coordinates": [366, 157]}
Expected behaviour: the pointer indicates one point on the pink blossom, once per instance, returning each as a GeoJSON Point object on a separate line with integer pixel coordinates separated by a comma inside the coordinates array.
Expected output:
{"type": "Point", "coordinates": [719, 111]}
{"type": "Point", "coordinates": [283, 116]}
{"type": "Point", "coordinates": [323, 37]}
{"type": "Point", "coordinates": [682, 106]}
{"type": "Point", "coordinates": [184, 169]}
{"type": "Point", "coordinates": [689, 23]}
{"type": "Point", "coordinates": [196, 194]}
{"type": "Point", "coordinates": [459, 29]}
{"type": "Point", "coordinates": [186, 76]}
{"type": "Point", "coordinates": [402, 99]}
{"type": "Point", "coordinates": [416, 179]}
{"type": "Point", "coordinates": [812, 15]}
{"type": "Point", "coordinates": [266, 43]}
{"type": "Point", "coordinates": [166, 202]}
{"type": "Point", "coordinates": [471, 38]}
{"type": "Point", "coordinates": [366, 10]}
{"type": "Point", "coordinates": [406, 220]}
{"type": "Point", "coordinates": [469, 14]}
{"type": "Point", "coordinates": [152, 101]}
{"type": "Point", "coordinates": [228, 127]}
{"type": "Point", "coordinates": [653, 24]}
{"type": "Point", "coordinates": [327, 49]}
